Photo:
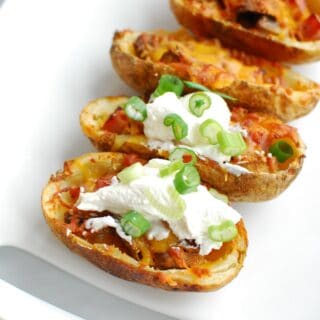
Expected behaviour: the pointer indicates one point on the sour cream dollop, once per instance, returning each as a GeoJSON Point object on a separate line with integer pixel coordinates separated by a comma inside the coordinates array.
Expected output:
{"type": "Point", "coordinates": [161, 137]}
{"type": "Point", "coordinates": [201, 208]}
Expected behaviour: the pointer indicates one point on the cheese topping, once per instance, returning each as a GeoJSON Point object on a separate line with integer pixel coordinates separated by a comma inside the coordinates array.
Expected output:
{"type": "Point", "coordinates": [201, 208]}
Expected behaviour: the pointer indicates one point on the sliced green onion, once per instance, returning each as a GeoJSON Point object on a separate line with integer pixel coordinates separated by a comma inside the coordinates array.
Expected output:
{"type": "Point", "coordinates": [171, 168]}
{"type": "Point", "coordinates": [174, 210]}
{"type": "Point", "coordinates": [179, 127]}
{"type": "Point", "coordinates": [219, 195]}
{"type": "Point", "coordinates": [209, 129]}
{"type": "Point", "coordinates": [187, 179]}
{"type": "Point", "coordinates": [224, 232]}
{"type": "Point", "coordinates": [168, 83]}
{"type": "Point", "coordinates": [135, 224]}
{"type": "Point", "coordinates": [200, 87]}
{"type": "Point", "coordinates": [282, 150]}
{"type": "Point", "coordinates": [231, 143]}
{"type": "Point", "coordinates": [198, 103]}
{"type": "Point", "coordinates": [136, 109]}
{"type": "Point", "coordinates": [131, 173]}
{"type": "Point", "coordinates": [184, 154]}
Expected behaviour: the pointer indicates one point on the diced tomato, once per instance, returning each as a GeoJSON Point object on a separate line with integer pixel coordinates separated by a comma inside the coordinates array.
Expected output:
{"type": "Point", "coordinates": [186, 158]}
{"type": "Point", "coordinates": [130, 159]}
{"type": "Point", "coordinates": [310, 29]}
{"type": "Point", "coordinates": [74, 192]}
{"type": "Point", "coordinates": [104, 181]}
{"type": "Point", "coordinates": [116, 122]}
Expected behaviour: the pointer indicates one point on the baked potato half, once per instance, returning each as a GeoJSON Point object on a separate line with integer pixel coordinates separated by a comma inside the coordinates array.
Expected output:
{"type": "Point", "coordinates": [141, 58]}
{"type": "Point", "coordinates": [106, 125]}
{"type": "Point", "coordinates": [282, 30]}
{"type": "Point", "coordinates": [163, 264]}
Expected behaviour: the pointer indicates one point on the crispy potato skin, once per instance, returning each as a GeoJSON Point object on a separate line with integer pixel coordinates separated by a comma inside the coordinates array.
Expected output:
{"type": "Point", "coordinates": [111, 260]}
{"type": "Point", "coordinates": [143, 75]}
{"type": "Point", "coordinates": [236, 36]}
{"type": "Point", "coordinates": [253, 187]}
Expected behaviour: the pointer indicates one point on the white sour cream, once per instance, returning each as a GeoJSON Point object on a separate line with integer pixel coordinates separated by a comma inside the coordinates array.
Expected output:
{"type": "Point", "coordinates": [161, 137]}
{"type": "Point", "coordinates": [201, 208]}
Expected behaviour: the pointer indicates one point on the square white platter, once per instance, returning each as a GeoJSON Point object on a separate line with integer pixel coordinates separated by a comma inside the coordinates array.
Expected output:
{"type": "Point", "coordinates": [54, 59]}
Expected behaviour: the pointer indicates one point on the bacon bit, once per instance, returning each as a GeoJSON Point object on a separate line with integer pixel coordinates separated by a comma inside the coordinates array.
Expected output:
{"type": "Point", "coordinates": [310, 28]}
{"type": "Point", "coordinates": [200, 272]}
{"type": "Point", "coordinates": [117, 122]}
{"type": "Point", "coordinates": [132, 158]}
{"type": "Point", "coordinates": [260, 136]}
{"type": "Point", "coordinates": [74, 192]}
{"type": "Point", "coordinates": [238, 114]}
{"type": "Point", "coordinates": [186, 158]}
{"type": "Point", "coordinates": [177, 255]}
{"type": "Point", "coordinates": [103, 181]}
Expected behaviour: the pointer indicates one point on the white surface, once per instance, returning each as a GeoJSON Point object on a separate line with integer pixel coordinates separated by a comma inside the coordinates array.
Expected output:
{"type": "Point", "coordinates": [54, 59]}
{"type": "Point", "coordinates": [29, 306]}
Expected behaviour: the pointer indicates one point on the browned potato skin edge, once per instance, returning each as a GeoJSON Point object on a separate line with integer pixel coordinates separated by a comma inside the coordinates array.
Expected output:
{"type": "Point", "coordinates": [253, 187]}
{"type": "Point", "coordinates": [236, 36]}
{"type": "Point", "coordinates": [143, 76]}
{"type": "Point", "coordinates": [124, 270]}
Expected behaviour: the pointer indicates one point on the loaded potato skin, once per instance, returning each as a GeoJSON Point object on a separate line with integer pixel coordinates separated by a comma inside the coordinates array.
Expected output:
{"type": "Point", "coordinates": [106, 250]}
{"type": "Point", "coordinates": [271, 29]}
{"type": "Point", "coordinates": [141, 58]}
{"type": "Point", "coordinates": [267, 178]}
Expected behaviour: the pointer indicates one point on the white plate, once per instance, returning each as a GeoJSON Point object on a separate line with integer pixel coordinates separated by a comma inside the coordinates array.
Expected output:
{"type": "Point", "coordinates": [54, 59]}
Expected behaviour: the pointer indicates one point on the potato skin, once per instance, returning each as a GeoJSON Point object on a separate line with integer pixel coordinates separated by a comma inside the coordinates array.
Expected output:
{"type": "Point", "coordinates": [110, 259]}
{"type": "Point", "coordinates": [236, 36]}
{"type": "Point", "coordinates": [253, 187]}
{"type": "Point", "coordinates": [143, 75]}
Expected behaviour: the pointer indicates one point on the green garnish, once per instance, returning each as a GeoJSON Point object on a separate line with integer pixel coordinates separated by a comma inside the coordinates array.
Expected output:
{"type": "Point", "coordinates": [200, 87]}
{"type": "Point", "coordinates": [187, 179]}
{"type": "Point", "coordinates": [183, 154]}
{"type": "Point", "coordinates": [209, 129]}
{"type": "Point", "coordinates": [198, 103]}
{"type": "Point", "coordinates": [168, 83]}
{"type": "Point", "coordinates": [171, 168]}
{"type": "Point", "coordinates": [224, 232]}
{"type": "Point", "coordinates": [231, 143]}
{"type": "Point", "coordinates": [179, 127]}
{"type": "Point", "coordinates": [134, 224]}
{"type": "Point", "coordinates": [136, 109]}
{"type": "Point", "coordinates": [131, 173]}
{"type": "Point", "coordinates": [282, 150]}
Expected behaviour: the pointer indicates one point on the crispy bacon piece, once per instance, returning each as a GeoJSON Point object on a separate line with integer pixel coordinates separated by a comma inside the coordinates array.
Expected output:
{"type": "Point", "coordinates": [132, 158]}
{"type": "Point", "coordinates": [103, 181]}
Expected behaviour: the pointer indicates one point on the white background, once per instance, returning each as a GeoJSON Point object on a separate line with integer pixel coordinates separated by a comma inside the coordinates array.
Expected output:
{"type": "Point", "coordinates": [54, 59]}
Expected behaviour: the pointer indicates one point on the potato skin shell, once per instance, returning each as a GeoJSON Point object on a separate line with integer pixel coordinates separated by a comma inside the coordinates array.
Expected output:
{"type": "Point", "coordinates": [109, 260]}
{"type": "Point", "coordinates": [253, 187]}
{"type": "Point", "coordinates": [143, 75]}
{"type": "Point", "coordinates": [236, 36]}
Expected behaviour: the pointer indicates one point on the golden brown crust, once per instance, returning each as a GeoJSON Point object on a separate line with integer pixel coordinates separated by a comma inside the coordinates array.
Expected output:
{"type": "Point", "coordinates": [109, 258]}
{"type": "Point", "coordinates": [287, 103]}
{"type": "Point", "coordinates": [256, 186]}
{"type": "Point", "coordinates": [236, 36]}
